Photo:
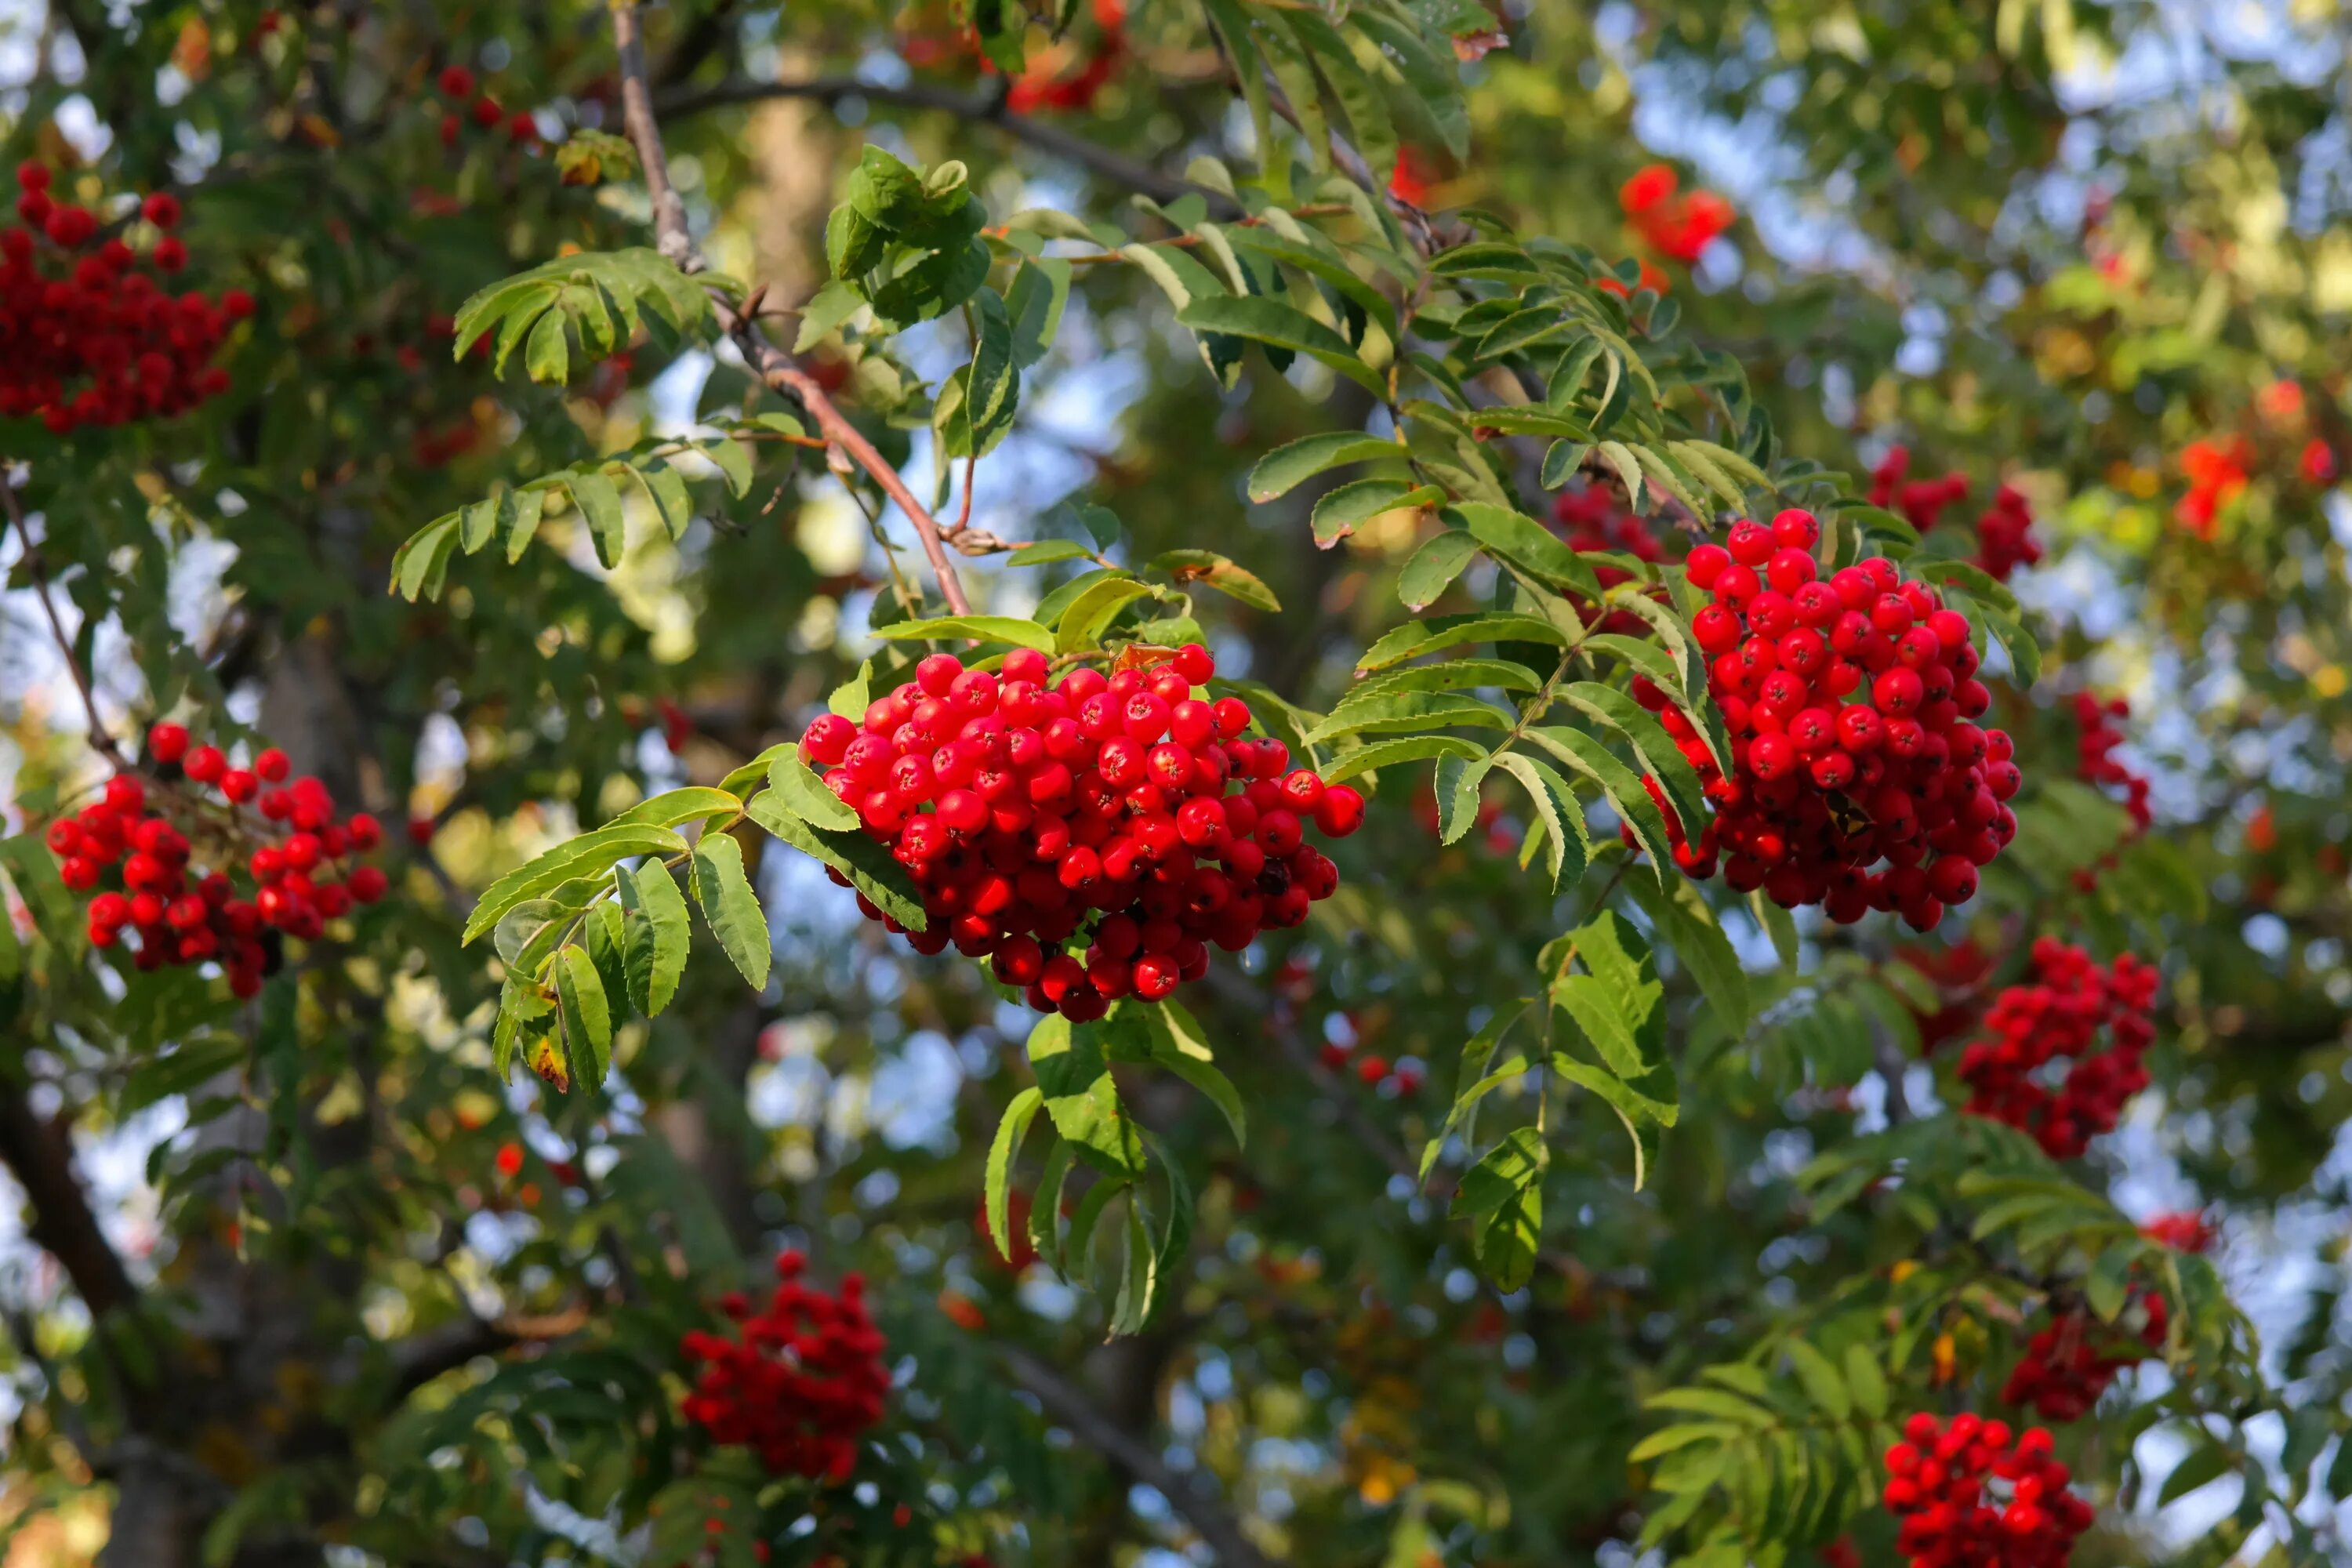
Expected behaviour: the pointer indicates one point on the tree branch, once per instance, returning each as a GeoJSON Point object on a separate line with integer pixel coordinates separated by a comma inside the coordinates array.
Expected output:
{"type": "Point", "coordinates": [775, 368]}
{"type": "Point", "coordinates": [62, 1224]}
{"type": "Point", "coordinates": [1071, 1408]}
{"type": "Point", "coordinates": [101, 739]}
{"type": "Point", "coordinates": [980, 108]}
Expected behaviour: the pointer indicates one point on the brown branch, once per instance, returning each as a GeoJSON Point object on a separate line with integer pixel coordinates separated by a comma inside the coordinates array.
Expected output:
{"type": "Point", "coordinates": [1072, 1409]}
{"type": "Point", "coordinates": [981, 109]}
{"type": "Point", "coordinates": [775, 368]}
{"type": "Point", "coordinates": [63, 1225]}
{"type": "Point", "coordinates": [101, 739]}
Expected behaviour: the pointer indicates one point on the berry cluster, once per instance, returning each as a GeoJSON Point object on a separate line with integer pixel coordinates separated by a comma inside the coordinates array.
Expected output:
{"type": "Point", "coordinates": [1045, 86]}
{"type": "Point", "coordinates": [1968, 1497]}
{"type": "Point", "coordinates": [1092, 808]}
{"type": "Point", "coordinates": [803, 1382]}
{"type": "Point", "coordinates": [1683, 227]}
{"type": "Point", "coordinates": [457, 85]}
{"type": "Point", "coordinates": [2004, 533]}
{"type": "Point", "coordinates": [88, 336]}
{"type": "Point", "coordinates": [1921, 501]}
{"type": "Point", "coordinates": [1373, 1070]}
{"type": "Point", "coordinates": [2094, 746]}
{"type": "Point", "coordinates": [2068, 1364]}
{"type": "Point", "coordinates": [1957, 972]}
{"type": "Point", "coordinates": [2060, 1013]}
{"type": "Point", "coordinates": [1850, 705]}
{"type": "Point", "coordinates": [144, 869]}
{"type": "Point", "coordinates": [2216, 476]}
{"type": "Point", "coordinates": [2316, 462]}
{"type": "Point", "coordinates": [2188, 1230]}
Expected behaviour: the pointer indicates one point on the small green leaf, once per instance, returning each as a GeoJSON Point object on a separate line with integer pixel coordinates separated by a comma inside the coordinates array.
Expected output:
{"type": "Point", "coordinates": [587, 1016]}
{"type": "Point", "coordinates": [798, 787]}
{"type": "Point", "coordinates": [1433, 568]}
{"type": "Point", "coordinates": [1287, 467]}
{"type": "Point", "coordinates": [654, 957]}
{"type": "Point", "coordinates": [1010, 1131]}
{"type": "Point", "coordinates": [730, 908]}
{"type": "Point", "coordinates": [974, 628]}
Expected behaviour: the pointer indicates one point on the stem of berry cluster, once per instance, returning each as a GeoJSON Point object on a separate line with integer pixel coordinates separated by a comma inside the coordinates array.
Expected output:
{"type": "Point", "coordinates": [101, 739]}
{"type": "Point", "coordinates": [774, 367]}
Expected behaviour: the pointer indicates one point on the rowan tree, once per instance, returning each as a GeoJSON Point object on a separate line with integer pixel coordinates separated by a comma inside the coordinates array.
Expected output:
{"type": "Point", "coordinates": [1423, 783]}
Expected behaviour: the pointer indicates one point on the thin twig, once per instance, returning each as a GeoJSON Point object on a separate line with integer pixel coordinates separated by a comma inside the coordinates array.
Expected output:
{"type": "Point", "coordinates": [100, 738]}
{"type": "Point", "coordinates": [774, 367]}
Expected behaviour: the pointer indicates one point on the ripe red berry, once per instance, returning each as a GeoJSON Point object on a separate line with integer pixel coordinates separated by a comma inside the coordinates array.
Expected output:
{"type": "Point", "coordinates": [456, 81]}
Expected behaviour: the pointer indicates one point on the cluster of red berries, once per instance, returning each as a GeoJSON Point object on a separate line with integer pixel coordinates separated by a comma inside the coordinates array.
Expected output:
{"type": "Point", "coordinates": [2060, 1013]}
{"type": "Point", "coordinates": [457, 85]}
{"type": "Point", "coordinates": [2069, 1362]}
{"type": "Point", "coordinates": [2095, 745]}
{"type": "Point", "coordinates": [1373, 1070]}
{"type": "Point", "coordinates": [2188, 1230]}
{"type": "Point", "coordinates": [2004, 533]}
{"type": "Point", "coordinates": [141, 865]}
{"type": "Point", "coordinates": [1093, 808]}
{"type": "Point", "coordinates": [1850, 705]}
{"type": "Point", "coordinates": [1592, 519]}
{"type": "Point", "coordinates": [1045, 86]}
{"type": "Point", "coordinates": [1970, 1497]}
{"type": "Point", "coordinates": [2217, 475]}
{"type": "Point", "coordinates": [1683, 227]}
{"type": "Point", "coordinates": [88, 336]}
{"type": "Point", "coordinates": [800, 1384]}
{"type": "Point", "coordinates": [1957, 972]}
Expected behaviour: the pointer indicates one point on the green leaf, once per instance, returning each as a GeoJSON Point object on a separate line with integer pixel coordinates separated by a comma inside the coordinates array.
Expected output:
{"type": "Point", "coordinates": [1616, 1001]}
{"type": "Point", "coordinates": [1628, 467]}
{"type": "Point", "coordinates": [1503, 1193]}
{"type": "Point", "coordinates": [1866, 1382]}
{"type": "Point", "coordinates": [1557, 808]}
{"type": "Point", "coordinates": [587, 1016]}
{"type": "Point", "coordinates": [2205, 1464]}
{"type": "Point", "coordinates": [420, 564]}
{"type": "Point", "coordinates": [973, 628]}
{"type": "Point", "coordinates": [1345, 508]}
{"type": "Point", "coordinates": [590, 855]}
{"type": "Point", "coordinates": [1475, 1084]}
{"type": "Point", "coordinates": [1528, 544]}
{"type": "Point", "coordinates": [673, 808]}
{"type": "Point", "coordinates": [1392, 712]}
{"type": "Point", "coordinates": [730, 908]}
{"type": "Point", "coordinates": [1287, 467]}
{"type": "Point", "coordinates": [1411, 749]}
{"type": "Point", "coordinates": [1180, 1044]}
{"type": "Point", "coordinates": [1671, 1439]}
{"type": "Point", "coordinates": [1433, 566]}
{"type": "Point", "coordinates": [1415, 638]}
{"type": "Point", "coordinates": [1209, 568]}
{"type": "Point", "coordinates": [802, 792]}
{"type": "Point", "coordinates": [1822, 1384]}
{"type": "Point", "coordinates": [1270, 322]}
{"type": "Point", "coordinates": [599, 500]}
{"type": "Point", "coordinates": [1047, 551]}
{"type": "Point", "coordinates": [1683, 918]}
{"type": "Point", "coordinates": [1082, 1098]}
{"type": "Point", "coordinates": [658, 937]}
{"type": "Point", "coordinates": [1090, 615]}
{"type": "Point", "coordinates": [1620, 784]}
{"type": "Point", "coordinates": [1010, 1131]}
{"type": "Point", "coordinates": [867, 864]}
